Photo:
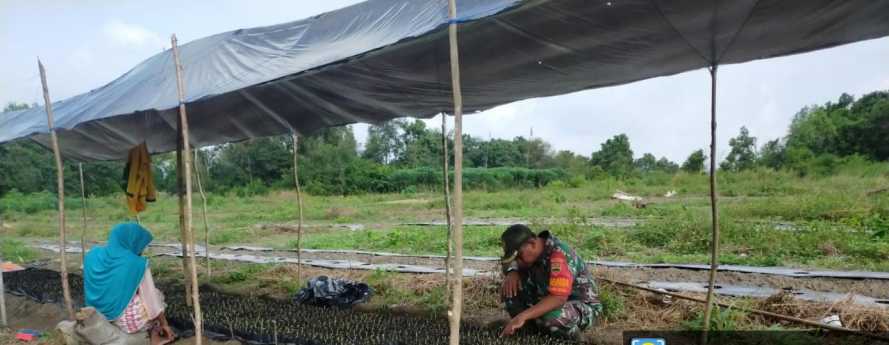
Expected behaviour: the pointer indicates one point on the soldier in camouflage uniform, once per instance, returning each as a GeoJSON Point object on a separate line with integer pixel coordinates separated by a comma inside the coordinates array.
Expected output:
{"type": "Point", "coordinates": [546, 282]}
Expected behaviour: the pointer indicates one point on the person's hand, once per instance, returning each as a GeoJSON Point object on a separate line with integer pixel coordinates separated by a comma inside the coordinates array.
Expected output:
{"type": "Point", "coordinates": [514, 325]}
{"type": "Point", "coordinates": [161, 336]}
{"type": "Point", "coordinates": [511, 284]}
{"type": "Point", "coordinates": [167, 333]}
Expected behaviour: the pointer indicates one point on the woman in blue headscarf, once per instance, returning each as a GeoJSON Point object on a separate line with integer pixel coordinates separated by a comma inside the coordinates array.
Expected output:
{"type": "Point", "coordinates": [118, 284]}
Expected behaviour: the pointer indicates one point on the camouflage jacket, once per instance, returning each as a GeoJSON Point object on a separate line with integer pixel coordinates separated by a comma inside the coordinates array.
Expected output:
{"type": "Point", "coordinates": [559, 271]}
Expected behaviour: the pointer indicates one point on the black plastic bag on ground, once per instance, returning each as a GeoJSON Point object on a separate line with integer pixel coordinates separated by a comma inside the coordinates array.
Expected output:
{"type": "Point", "coordinates": [324, 291]}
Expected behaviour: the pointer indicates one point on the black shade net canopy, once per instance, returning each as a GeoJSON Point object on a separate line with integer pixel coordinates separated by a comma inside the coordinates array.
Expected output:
{"type": "Point", "coordinates": [383, 59]}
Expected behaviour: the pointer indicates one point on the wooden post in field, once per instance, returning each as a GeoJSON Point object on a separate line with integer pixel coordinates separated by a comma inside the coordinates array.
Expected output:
{"type": "Point", "coordinates": [447, 199]}
{"type": "Point", "coordinates": [83, 214]}
{"type": "Point", "coordinates": [66, 291]}
{"type": "Point", "coordinates": [2, 300]}
{"type": "Point", "coordinates": [197, 175]}
{"type": "Point", "coordinates": [180, 191]}
{"type": "Point", "coordinates": [299, 207]}
{"type": "Point", "coordinates": [2, 288]}
{"type": "Point", "coordinates": [186, 162]}
{"type": "Point", "coordinates": [714, 241]}
{"type": "Point", "coordinates": [456, 311]}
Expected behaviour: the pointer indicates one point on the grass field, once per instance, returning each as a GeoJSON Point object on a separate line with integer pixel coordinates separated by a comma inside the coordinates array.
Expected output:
{"type": "Point", "coordinates": [767, 218]}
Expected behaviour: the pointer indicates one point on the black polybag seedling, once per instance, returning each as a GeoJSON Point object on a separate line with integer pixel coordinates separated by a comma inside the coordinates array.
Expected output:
{"type": "Point", "coordinates": [258, 320]}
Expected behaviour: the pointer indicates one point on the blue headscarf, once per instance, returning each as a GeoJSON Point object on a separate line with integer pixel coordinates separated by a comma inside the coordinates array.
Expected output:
{"type": "Point", "coordinates": [112, 273]}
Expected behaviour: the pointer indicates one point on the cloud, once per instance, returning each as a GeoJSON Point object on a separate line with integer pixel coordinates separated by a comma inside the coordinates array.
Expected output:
{"type": "Point", "coordinates": [133, 35]}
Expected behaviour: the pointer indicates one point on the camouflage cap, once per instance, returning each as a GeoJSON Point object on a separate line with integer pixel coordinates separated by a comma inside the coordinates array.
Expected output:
{"type": "Point", "coordinates": [512, 240]}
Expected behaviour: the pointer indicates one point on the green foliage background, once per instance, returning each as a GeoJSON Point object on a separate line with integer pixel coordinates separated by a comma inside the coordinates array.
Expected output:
{"type": "Point", "coordinates": [405, 156]}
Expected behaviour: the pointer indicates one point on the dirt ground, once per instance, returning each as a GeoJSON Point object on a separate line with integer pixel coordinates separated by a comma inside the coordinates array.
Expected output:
{"type": "Point", "coordinates": [25, 313]}
{"type": "Point", "coordinates": [638, 310]}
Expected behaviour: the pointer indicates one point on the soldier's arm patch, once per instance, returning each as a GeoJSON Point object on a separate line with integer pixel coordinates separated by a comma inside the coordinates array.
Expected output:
{"type": "Point", "coordinates": [560, 278]}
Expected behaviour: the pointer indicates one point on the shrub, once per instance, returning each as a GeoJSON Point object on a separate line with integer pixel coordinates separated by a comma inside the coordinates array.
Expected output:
{"type": "Point", "coordinates": [253, 188]}
{"type": "Point", "coordinates": [559, 184]}
{"type": "Point", "coordinates": [723, 319]}
{"type": "Point", "coordinates": [16, 251]}
{"type": "Point", "coordinates": [409, 190]}
{"type": "Point", "coordinates": [576, 181]}
{"type": "Point", "coordinates": [15, 201]}
{"type": "Point", "coordinates": [612, 303]}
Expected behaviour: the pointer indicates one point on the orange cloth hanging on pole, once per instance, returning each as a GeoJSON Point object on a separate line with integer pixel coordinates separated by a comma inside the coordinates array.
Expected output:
{"type": "Point", "coordinates": [140, 181]}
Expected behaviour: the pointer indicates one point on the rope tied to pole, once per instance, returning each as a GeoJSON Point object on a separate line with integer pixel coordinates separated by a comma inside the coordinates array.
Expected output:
{"type": "Point", "coordinates": [197, 175]}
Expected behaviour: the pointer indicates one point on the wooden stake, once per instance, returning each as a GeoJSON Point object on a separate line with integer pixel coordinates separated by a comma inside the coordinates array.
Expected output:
{"type": "Point", "coordinates": [197, 175]}
{"type": "Point", "coordinates": [180, 190]}
{"type": "Point", "coordinates": [83, 213]}
{"type": "Point", "coordinates": [2, 301]}
{"type": "Point", "coordinates": [186, 147]}
{"type": "Point", "coordinates": [447, 199]}
{"type": "Point", "coordinates": [66, 291]}
{"type": "Point", "coordinates": [299, 207]}
{"type": "Point", "coordinates": [457, 308]}
{"type": "Point", "coordinates": [275, 325]}
{"type": "Point", "coordinates": [714, 241]}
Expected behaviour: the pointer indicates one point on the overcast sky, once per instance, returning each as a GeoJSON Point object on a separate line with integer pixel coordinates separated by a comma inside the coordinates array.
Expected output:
{"type": "Point", "coordinates": [87, 43]}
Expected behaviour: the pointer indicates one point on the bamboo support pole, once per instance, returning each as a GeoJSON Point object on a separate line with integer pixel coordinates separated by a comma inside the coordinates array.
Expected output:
{"type": "Point", "coordinates": [186, 148]}
{"type": "Point", "coordinates": [197, 175]}
{"type": "Point", "coordinates": [66, 290]}
{"type": "Point", "coordinates": [180, 191]}
{"type": "Point", "coordinates": [299, 207]}
{"type": "Point", "coordinates": [751, 311]}
{"type": "Point", "coordinates": [714, 210]}
{"type": "Point", "coordinates": [447, 200]}
{"type": "Point", "coordinates": [456, 311]}
{"type": "Point", "coordinates": [83, 215]}
{"type": "Point", "coordinates": [2, 300]}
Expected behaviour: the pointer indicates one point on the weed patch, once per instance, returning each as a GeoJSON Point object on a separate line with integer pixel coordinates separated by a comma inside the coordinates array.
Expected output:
{"type": "Point", "coordinates": [16, 251]}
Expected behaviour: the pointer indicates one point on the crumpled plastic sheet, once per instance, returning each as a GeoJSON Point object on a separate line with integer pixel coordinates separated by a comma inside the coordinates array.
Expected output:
{"type": "Point", "coordinates": [324, 291]}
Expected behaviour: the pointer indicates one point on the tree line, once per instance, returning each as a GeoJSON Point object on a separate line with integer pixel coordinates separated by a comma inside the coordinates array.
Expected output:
{"type": "Point", "coordinates": [405, 155]}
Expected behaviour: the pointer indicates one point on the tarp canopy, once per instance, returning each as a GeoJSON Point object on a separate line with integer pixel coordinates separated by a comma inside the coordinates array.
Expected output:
{"type": "Point", "coordinates": [383, 59]}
